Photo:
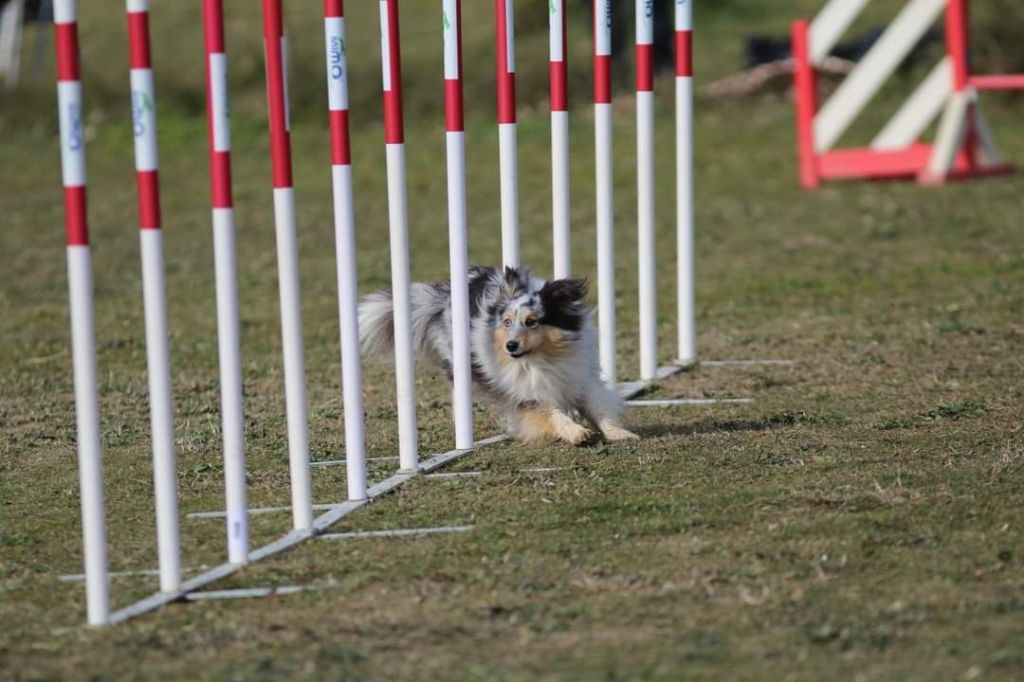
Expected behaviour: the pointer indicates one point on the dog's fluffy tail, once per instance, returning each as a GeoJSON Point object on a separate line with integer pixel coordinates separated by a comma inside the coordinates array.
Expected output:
{"type": "Point", "coordinates": [429, 304]}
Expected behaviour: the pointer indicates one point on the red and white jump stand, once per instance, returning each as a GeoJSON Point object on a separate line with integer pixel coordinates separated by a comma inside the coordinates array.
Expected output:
{"type": "Point", "coordinates": [963, 147]}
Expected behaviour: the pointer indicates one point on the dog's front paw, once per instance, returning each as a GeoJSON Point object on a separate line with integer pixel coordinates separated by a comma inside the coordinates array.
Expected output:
{"type": "Point", "coordinates": [573, 433]}
{"type": "Point", "coordinates": [616, 434]}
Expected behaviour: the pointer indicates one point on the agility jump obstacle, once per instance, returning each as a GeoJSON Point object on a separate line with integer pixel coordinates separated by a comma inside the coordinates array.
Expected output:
{"type": "Point", "coordinates": [964, 147]}
{"type": "Point", "coordinates": [304, 524]}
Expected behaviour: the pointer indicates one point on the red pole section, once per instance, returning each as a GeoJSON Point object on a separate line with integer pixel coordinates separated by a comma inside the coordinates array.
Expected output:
{"type": "Point", "coordinates": [806, 104]}
{"type": "Point", "coordinates": [337, 92]}
{"type": "Point", "coordinates": [957, 42]}
{"type": "Point", "coordinates": [394, 127]}
{"type": "Point", "coordinates": [218, 129]}
{"type": "Point", "coordinates": [454, 117]}
{"type": "Point", "coordinates": [280, 126]}
{"type": "Point", "coordinates": [143, 116]}
{"type": "Point", "coordinates": [684, 46]}
{"type": "Point", "coordinates": [558, 66]}
{"type": "Point", "coordinates": [506, 61]}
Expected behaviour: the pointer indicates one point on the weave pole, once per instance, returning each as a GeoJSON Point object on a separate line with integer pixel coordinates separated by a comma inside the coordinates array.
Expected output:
{"type": "Point", "coordinates": [458, 258]}
{"type": "Point", "coordinates": [604, 166]}
{"type": "Point", "coordinates": [345, 239]}
{"type": "Point", "coordinates": [504, 13]}
{"type": "Point", "coordinates": [228, 335]}
{"type": "Point", "coordinates": [686, 309]}
{"type": "Point", "coordinates": [398, 224]}
{"type": "Point", "coordinates": [559, 79]}
{"type": "Point", "coordinates": [648, 291]}
{"type": "Point", "coordinates": [83, 339]}
{"type": "Point", "coordinates": [154, 294]}
{"type": "Point", "coordinates": [287, 265]}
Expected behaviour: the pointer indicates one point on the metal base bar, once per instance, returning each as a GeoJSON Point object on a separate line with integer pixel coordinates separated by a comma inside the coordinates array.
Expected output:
{"type": "Point", "coordinates": [396, 533]}
{"type": "Point", "coordinates": [247, 593]}
{"type": "Point", "coordinates": [341, 462]}
{"type": "Point", "coordinates": [472, 474]}
{"type": "Point", "coordinates": [741, 363]}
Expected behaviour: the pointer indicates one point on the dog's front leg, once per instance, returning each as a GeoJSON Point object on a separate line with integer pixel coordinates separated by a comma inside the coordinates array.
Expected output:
{"type": "Point", "coordinates": [544, 424]}
{"type": "Point", "coordinates": [566, 429]}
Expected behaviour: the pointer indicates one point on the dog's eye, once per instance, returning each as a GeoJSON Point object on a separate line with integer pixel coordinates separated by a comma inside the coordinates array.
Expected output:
{"type": "Point", "coordinates": [531, 323]}
{"type": "Point", "coordinates": [507, 323]}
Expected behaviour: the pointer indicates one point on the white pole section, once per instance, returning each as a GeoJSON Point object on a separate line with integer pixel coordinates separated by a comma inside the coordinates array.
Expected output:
{"type": "Point", "coordinates": [228, 335]}
{"type": "Point", "coordinates": [504, 13]}
{"type": "Point", "coordinates": [398, 222]}
{"type": "Point", "coordinates": [604, 166]}
{"type": "Point", "coordinates": [345, 238]}
{"type": "Point", "coordinates": [648, 286]}
{"type": "Point", "coordinates": [455, 138]}
{"type": "Point", "coordinates": [560, 216]}
{"type": "Point", "coordinates": [685, 296]}
{"type": "Point", "coordinates": [288, 266]}
{"type": "Point", "coordinates": [83, 341]}
{"type": "Point", "coordinates": [158, 355]}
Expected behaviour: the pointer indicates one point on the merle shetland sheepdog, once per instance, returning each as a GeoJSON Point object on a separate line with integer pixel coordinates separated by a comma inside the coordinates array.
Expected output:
{"type": "Point", "coordinates": [533, 350]}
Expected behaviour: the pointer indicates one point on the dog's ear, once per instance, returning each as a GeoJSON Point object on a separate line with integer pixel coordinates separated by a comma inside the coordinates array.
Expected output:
{"type": "Point", "coordinates": [560, 292]}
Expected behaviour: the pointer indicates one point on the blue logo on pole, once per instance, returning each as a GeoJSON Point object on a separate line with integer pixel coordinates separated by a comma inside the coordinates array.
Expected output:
{"type": "Point", "coordinates": [336, 51]}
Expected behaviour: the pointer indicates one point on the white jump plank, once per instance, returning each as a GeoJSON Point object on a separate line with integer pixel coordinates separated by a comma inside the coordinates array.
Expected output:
{"type": "Point", "coordinates": [920, 109]}
{"type": "Point", "coordinates": [830, 25]}
{"type": "Point", "coordinates": [873, 70]}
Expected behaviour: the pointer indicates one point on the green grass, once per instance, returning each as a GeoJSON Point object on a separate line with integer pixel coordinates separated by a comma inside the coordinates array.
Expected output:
{"type": "Point", "coordinates": [862, 519]}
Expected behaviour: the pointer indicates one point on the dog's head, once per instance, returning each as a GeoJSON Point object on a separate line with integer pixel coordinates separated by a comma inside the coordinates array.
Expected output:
{"type": "Point", "coordinates": [538, 321]}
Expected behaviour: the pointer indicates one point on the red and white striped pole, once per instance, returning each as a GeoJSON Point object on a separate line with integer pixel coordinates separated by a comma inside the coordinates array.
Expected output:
{"type": "Point", "coordinates": [228, 335]}
{"type": "Point", "coordinates": [398, 222]}
{"type": "Point", "coordinates": [287, 264]}
{"type": "Point", "coordinates": [687, 331]}
{"type": "Point", "coordinates": [559, 79]}
{"type": "Point", "coordinates": [504, 13]}
{"type": "Point", "coordinates": [648, 310]}
{"type": "Point", "coordinates": [455, 140]}
{"type": "Point", "coordinates": [345, 239]}
{"type": "Point", "coordinates": [154, 293]}
{"type": "Point", "coordinates": [83, 340]}
{"type": "Point", "coordinates": [604, 165]}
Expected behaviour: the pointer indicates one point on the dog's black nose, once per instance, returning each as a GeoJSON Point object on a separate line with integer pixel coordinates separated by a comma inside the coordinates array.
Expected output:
{"type": "Point", "coordinates": [512, 346]}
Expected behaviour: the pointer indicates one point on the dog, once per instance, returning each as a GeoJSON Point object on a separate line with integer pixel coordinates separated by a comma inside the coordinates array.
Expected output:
{"type": "Point", "coordinates": [533, 351]}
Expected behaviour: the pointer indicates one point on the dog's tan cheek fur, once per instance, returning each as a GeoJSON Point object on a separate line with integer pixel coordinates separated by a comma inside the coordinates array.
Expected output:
{"type": "Point", "coordinates": [554, 343]}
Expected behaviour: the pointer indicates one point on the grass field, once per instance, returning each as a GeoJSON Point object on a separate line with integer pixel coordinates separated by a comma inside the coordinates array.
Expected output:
{"type": "Point", "coordinates": [862, 519]}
